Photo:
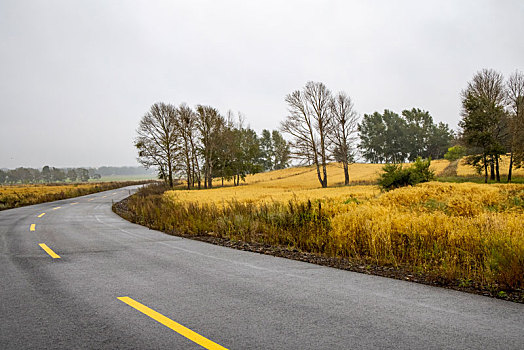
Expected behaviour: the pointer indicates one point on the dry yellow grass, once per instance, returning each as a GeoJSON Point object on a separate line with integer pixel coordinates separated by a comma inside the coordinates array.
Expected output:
{"type": "Point", "coordinates": [19, 195]}
{"type": "Point", "coordinates": [456, 231]}
{"type": "Point", "coordinates": [39, 190]}
{"type": "Point", "coordinates": [299, 183]}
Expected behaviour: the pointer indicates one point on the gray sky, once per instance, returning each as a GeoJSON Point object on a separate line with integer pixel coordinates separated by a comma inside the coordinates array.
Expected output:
{"type": "Point", "coordinates": [77, 76]}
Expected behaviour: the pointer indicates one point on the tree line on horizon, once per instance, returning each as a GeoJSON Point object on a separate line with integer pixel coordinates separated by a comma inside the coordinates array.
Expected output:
{"type": "Point", "coordinates": [49, 174]}
{"type": "Point", "coordinates": [46, 175]}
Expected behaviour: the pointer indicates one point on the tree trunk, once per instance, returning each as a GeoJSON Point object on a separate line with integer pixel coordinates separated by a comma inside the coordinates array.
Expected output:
{"type": "Point", "coordinates": [209, 174]}
{"type": "Point", "coordinates": [324, 171]}
{"type": "Point", "coordinates": [170, 175]}
{"type": "Point", "coordinates": [485, 169]}
{"type": "Point", "coordinates": [318, 174]}
{"type": "Point", "coordinates": [346, 174]}
{"type": "Point", "coordinates": [510, 166]}
{"type": "Point", "coordinates": [492, 168]}
{"type": "Point", "coordinates": [497, 168]}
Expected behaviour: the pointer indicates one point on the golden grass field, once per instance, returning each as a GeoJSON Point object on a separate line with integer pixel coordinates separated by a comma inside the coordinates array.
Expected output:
{"type": "Point", "coordinates": [455, 231]}
{"type": "Point", "coordinates": [13, 196]}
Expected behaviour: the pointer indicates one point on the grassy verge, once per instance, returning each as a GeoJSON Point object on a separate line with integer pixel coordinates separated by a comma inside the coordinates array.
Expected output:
{"type": "Point", "coordinates": [464, 236]}
{"type": "Point", "coordinates": [14, 196]}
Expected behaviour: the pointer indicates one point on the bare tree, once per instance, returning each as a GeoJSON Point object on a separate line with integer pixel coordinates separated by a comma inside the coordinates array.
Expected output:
{"type": "Point", "coordinates": [343, 129]}
{"type": "Point", "coordinates": [515, 99]}
{"type": "Point", "coordinates": [157, 142]}
{"type": "Point", "coordinates": [308, 123]}
{"type": "Point", "coordinates": [186, 128]}
{"type": "Point", "coordinates": [209, 123]}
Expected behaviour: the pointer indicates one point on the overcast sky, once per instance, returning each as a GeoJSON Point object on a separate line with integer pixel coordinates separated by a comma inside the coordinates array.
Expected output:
{"type": "Point", "coordinates": [77, 76]}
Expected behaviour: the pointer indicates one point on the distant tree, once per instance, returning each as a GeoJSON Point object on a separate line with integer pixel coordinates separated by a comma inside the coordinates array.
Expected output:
{"type": "Point", "coordinates": [36, 175]}
{"type": "Point", "coordinates": [46, 174]}
{"type": "Point", "coordinates": [96, 176]}
{"type": "Point", "coordinates": [274, 150]}
{"type": "Point", "coordinates": [246, 154]}
{"type": "Point", "coordinates": [83, 174]}
{"type": "Point", "coordinates": [424, 138]}
{"type": "Point", "coordinates": [484, 121]}
{"type": "Point", "coordinates": [372, 134]}
{"type": "Point", "coordinates": [419, 125]}
{"type": "Point", "coordinates": [383, 137]}
{"type": "Point", "coordinates": [308, 123]}
{"type": "Point", "coordinates": [344, 126]}
{"type": "Point", "coordinates": [72, 175]}
{"type": "Point", "coordinates": [226, 151]}
{"type": "Point", "coordinates": [57, 175]}
{"type": "Point", "coordinates": [157, 140]}
{"type": "Point", "coordinates": [440, 138]}
{"type": "Point", "coordinates": [267, 150]}
{"type": "Point", "coordinates": [210, 124]}
{"type": "Point", "coordinates": [389, 137]}
{"type": "Point", "coordinates": [515, 101]}
{"type": "Point", "coordinates": [3, 176]}
{"type": "Point", "coordinates": [186, 129]}
{"type": "Point", "coordinates": [23, 175]}
{"type": "Point", "coordinates": [281, 151]}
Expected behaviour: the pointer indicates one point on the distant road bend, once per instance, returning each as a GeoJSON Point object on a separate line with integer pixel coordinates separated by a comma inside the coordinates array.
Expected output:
{"type": "Point", "coordinates": [74, 275]}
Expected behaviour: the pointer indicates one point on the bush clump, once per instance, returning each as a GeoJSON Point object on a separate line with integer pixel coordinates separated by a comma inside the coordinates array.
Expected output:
{"type": "Point", "coordinates": [396, 176]}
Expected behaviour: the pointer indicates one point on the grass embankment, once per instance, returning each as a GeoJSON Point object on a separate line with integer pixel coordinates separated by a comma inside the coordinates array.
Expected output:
{"type": "Point", "coordinates": [14, 196]}
{"type": "Point", "coordinates": [463, 235]}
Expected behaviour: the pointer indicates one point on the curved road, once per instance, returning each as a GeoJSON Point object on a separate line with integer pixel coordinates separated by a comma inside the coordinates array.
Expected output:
{"type": "Point", "coordinates": [211, 295]}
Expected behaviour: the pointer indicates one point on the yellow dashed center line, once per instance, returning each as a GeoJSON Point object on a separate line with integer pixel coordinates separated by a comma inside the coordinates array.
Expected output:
{"type": "Point", "coordinates": [104, 196]}
{"type": "Point", "coordinates": [177, 327]}
{"type": "Point", "coordinates": [32, 227]}
{"type": "Point", "coordinates": [89, 200]}
{"type": "Point", "coordinates": [55, 208]}
{"type": "Point", "coordinates": [41, 215]}
{"type": "Point", "coordinates": [49, 251]}
{"type": "Point", "coordinates": [74, 203]}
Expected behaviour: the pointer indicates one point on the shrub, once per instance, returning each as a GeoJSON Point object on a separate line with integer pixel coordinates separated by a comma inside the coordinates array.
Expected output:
{"type": "Point", "coordinates": [395, 175]}
{"type": "Point", "coordinates": [454, 153]}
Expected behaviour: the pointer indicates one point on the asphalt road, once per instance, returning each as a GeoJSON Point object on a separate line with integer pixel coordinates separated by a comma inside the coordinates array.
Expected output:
{"type": "Point", "coordinates": [234, 299]}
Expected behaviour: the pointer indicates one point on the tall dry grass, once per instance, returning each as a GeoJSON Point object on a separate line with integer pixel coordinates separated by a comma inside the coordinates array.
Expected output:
{"type": "Point", "coordinates": [466, 232]}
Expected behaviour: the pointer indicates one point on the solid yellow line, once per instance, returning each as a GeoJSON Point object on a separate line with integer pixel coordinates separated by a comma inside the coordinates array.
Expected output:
{"type": "Point", "coordinates": [41, 215]}
{"type": "Point", "coordinates": [49, 251]}
{"type": "Point", "coordinates": [55, 208]}
{"type": "Point", "coordinates": [32, 228]}
{"type": "Point", "coordinates": [177, 327]}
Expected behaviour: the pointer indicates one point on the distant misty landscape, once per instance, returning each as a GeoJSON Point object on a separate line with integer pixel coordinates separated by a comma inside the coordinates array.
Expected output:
{"type": "Point", "coordinates": [48, 174]}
